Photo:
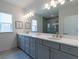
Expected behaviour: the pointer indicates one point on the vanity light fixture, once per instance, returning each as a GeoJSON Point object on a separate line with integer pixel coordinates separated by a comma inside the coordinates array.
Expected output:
{"type": "Point", "coordinates": [54, 3]}
{"type": "Point", "coordinates": [30, 14]}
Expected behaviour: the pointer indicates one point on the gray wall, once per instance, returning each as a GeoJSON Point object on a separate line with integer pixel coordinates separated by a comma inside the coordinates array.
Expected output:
{"type": "Point", "coordinates": [8, 40]}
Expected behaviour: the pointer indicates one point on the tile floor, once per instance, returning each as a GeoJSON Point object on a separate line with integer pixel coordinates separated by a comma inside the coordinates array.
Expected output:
{"type": "Point", "coordinates": [14, 54]}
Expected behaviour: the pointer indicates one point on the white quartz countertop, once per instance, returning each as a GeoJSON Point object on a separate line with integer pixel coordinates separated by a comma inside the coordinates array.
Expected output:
{"type": "Point", "coordinates": [68, 40]}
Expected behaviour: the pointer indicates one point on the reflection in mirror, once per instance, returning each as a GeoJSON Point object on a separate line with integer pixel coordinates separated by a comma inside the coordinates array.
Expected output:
{"type": "Point", "coordinates": [61, 19]}
{"type": "Point", "coordinates": [51, 25]}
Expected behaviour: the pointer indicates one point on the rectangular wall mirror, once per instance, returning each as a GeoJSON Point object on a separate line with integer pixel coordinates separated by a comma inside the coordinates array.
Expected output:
{"type": "Point", "coordinates": [62, 19]}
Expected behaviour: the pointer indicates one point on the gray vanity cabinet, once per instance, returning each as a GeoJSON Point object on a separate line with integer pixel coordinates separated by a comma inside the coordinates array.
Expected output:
{"type": "Point", "coordinates": [55, 54]}
{"type": "Point", "coordinates": [32, 48]}
{"type": "Point", "coordinates": [27, 44]}
{"type": "Point", "coordinates": [43, 49]}
{"type": "Point", "coordinates": [51, 44]}
{"type": "Point", "coordinates": [43, 52]}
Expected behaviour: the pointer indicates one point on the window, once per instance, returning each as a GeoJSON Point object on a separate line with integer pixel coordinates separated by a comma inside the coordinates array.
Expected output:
{"type": "Point", "coordinates": [5, 22]}
{"type": "Point", "coordinates": [34, 25]}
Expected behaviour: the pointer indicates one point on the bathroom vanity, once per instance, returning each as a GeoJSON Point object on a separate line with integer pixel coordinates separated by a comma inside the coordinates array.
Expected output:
{"type": "Point", "coordinates": [44, 46]}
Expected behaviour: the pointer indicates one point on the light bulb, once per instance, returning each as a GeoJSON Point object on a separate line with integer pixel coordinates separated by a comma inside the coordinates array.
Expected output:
{"type": "Point", "coordinates": [71, 0]}
{"type": "Point", "coordinates": [28, 15]}
{"type": "Point", "coordinates": [25, 17]}
{"type": "Point", "coordinates": [53, 3]}
{"type": "Point", "coordinates": [62, 2]}
{"type": "Point", "coordinates": [47, 6]}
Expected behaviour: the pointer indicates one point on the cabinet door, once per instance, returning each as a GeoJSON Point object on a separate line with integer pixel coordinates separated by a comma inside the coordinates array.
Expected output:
{"type": "Point", "coordinates": [27, 45]}
{"type": "Point", "coordinates": [43, 52]}
{"type": "Point", "coordinates": [61, 55]}
{"type": "Point", "coordinates": [21, 42]}
{"type": "Point", "coordinates": [70, 49]}
{"type": "Point", "coordinates": [32, 48]}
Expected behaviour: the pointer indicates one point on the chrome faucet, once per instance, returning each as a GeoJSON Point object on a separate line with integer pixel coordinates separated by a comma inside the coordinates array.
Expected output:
{"type": "Point", "coordinates": [59, 35]}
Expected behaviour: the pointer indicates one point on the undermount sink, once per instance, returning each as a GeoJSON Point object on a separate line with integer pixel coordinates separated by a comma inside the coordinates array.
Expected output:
{"type": "Point", "coordinates": [47, 36]}
{"type": "Point", "coordinates": [53, 38]}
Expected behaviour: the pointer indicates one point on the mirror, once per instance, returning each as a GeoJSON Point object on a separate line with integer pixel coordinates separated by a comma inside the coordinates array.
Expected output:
{"type": "Point", "coordinates": [62, 19]}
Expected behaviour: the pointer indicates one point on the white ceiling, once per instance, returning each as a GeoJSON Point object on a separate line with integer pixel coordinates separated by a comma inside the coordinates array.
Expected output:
{"type": "Point", "coordinates": [55, 11]}
{"type": "Point", "coordinates": [36, 5]}
{"type": "Point", "coordinates": [24, 3]}
{"type": "Point", "coordinates": [30, 4]}
{"type": "Point", "coordinates": [21, 3]}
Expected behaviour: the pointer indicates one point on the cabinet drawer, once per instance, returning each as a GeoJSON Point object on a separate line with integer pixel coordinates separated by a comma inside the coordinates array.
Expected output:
{"type": "Point", "coordinates": [70, 49]}
{"type": "Point", "coordinates": [55, 54]}
{"type": "Point", "coordinates": [51, 44]}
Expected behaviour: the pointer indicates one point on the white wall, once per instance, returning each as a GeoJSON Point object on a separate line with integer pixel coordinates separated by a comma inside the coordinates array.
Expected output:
{"type": "Point", "coordinates": [8, 40]}
{"type": "Point", "coordinates": [67, 10]}
{"type": "Point", "coordinates": [71, 25]}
